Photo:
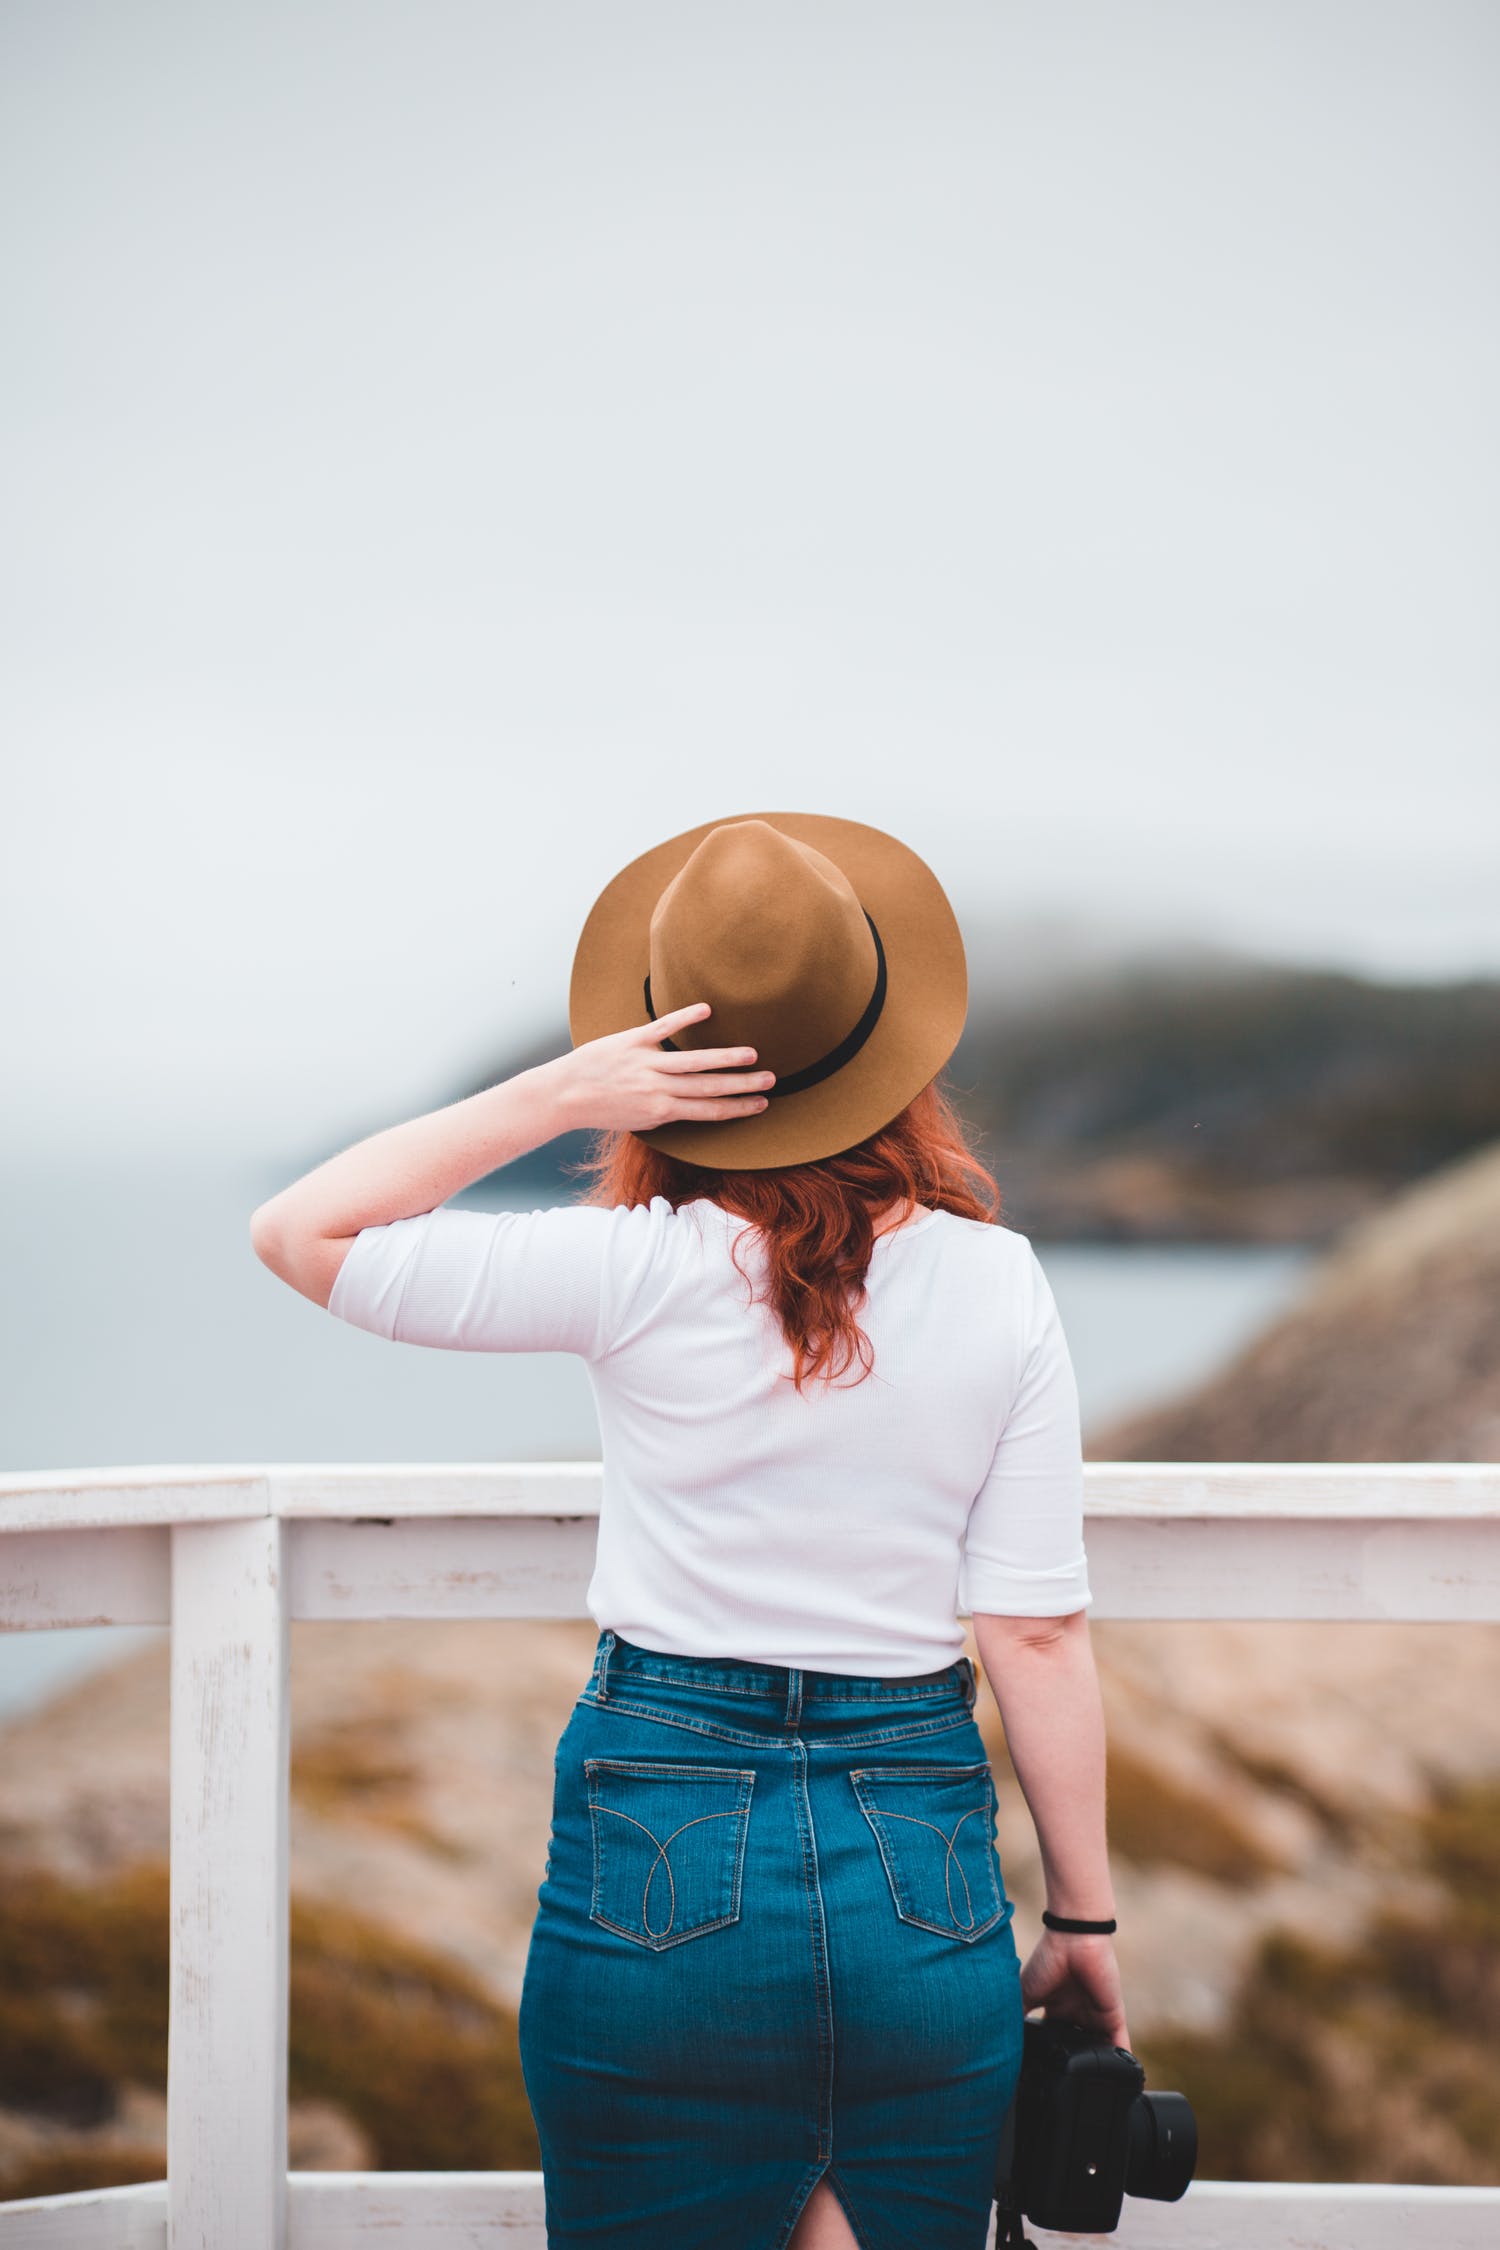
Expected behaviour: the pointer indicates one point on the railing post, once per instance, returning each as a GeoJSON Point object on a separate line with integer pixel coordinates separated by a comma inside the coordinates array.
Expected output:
{"type": "Point", "coordinates": [231, 1730]}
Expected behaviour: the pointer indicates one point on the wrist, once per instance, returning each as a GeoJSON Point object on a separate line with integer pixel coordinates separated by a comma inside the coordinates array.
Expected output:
{"type": "Point", "coordinates": [1084, 1893]}
{"type": "Point", "coordinates": [552, 1088]}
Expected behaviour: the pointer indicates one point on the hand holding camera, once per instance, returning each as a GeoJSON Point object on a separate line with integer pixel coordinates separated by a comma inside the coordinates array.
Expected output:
{"type": "Point", "coordinates": [1077, 1977]}
{"type": "Point", "coordinates": [1082, 2132]}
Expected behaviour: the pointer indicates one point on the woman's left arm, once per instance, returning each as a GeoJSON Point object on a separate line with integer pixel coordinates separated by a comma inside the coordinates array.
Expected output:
{"type": "Point", "coordinates": [622, 1080]}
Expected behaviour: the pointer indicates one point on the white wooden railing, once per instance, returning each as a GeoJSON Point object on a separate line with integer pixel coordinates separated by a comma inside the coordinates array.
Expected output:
{"type": "Point", "coordinates": [228, 1556]}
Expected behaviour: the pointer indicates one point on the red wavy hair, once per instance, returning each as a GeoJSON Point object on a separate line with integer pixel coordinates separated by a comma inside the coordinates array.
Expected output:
{"type": "Point", "coordinates": [817, 1220]}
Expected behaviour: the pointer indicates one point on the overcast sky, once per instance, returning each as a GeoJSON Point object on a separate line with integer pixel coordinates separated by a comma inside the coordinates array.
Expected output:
{"type": "Point", "coordinates": [450, 447]}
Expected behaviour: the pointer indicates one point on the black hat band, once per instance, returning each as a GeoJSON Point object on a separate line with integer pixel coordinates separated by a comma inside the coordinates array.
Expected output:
{"type": "Point", "coordinates": [798, 1081]}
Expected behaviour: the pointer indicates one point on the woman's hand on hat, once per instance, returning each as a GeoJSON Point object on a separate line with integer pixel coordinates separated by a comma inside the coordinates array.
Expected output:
{"type": "Point", "coordinates": [628, 1082]}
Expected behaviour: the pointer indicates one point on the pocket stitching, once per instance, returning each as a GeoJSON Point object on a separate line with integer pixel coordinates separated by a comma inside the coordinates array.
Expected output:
{"type": "Point", "coordinates": [875, 1814]}
{"type": "Point", "coordinates": [658, 1941]}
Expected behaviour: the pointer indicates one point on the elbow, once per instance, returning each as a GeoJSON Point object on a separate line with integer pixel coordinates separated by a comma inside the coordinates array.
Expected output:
{"type": "Point", "coordinates": [307, 1263]}
{"type": "Point", "coordinates": [1032, 1633]}
{"type": "Point", "coordinates": [268, 1237]}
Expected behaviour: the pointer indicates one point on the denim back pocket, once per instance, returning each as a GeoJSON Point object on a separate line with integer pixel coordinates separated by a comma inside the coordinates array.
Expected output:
{"type": "Point", "coordinates": [669, 1847]}
{"type": "Point", "coordinates": [935, 1828]}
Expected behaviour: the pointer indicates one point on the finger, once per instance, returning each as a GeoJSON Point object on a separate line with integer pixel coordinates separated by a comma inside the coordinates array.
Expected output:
{"type": "Point", "coordinates": [699, 1089]}
{"type": "Point", "coordinates": [698, 1111]}
{"type": "Point", "coordinates": [662, 1027]}
{"type": "Point", "coordinates": [708, 1058]}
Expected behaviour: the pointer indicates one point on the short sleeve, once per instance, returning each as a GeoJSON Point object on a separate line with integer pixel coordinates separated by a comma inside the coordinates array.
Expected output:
{"type": "Point", "coordinates": [558, 1280]}
{"type": "Point", "coordinates": [1023, 1547]}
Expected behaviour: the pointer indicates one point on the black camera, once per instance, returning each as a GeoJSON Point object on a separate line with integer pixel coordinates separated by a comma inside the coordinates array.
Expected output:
{"type": "Point", "coordinates": [1082, 2133]}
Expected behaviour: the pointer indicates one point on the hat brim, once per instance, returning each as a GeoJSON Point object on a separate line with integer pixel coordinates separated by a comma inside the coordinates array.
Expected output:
{"type": "Point", "coordinates": [927, 994]}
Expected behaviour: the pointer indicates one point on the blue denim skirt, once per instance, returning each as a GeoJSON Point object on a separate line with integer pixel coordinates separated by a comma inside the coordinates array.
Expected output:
{"type": "Point", "coordinates": [773, 1945]}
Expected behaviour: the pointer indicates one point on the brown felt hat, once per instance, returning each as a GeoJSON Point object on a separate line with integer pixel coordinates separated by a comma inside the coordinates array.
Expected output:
{"type": "Point", "coordinates": [827, 946]}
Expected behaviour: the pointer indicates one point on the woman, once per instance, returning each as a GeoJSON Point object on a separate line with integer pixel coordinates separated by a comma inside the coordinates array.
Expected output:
{"type": "Point", "coordinates": [773, 1995]}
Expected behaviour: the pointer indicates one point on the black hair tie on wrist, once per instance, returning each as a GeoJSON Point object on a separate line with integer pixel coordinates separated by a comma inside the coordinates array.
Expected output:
{"type": "Point", "coordinates": [1070, 1922]}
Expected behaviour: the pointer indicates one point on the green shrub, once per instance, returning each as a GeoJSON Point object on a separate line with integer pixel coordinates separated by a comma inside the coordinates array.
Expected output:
{"type": "Point", "coordinates": [1338, 2057]}
{"type": "Point", "coordinates": [406, 2043]}
{"type": "Point", "coordinates": [1156, 1821]}
{"type": "Point", "coordinates": [71, 2170]}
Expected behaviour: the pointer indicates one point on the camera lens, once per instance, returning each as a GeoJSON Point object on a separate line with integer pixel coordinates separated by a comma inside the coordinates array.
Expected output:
{"type": "Point", "coordinates": [1163, 2147]}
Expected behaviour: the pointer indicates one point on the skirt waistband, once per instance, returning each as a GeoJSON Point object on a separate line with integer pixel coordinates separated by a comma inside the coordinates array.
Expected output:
{"type": "Point", "coordinates": [616, 1660]}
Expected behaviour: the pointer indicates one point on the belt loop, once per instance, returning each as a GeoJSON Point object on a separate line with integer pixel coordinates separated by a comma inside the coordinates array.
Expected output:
{"type": "Point", "coordinates": [601, 1667]}
{"type": "Point", "coordinates": [970, 1682]}
{"type": "Point", "coordinates": [794, 1698]}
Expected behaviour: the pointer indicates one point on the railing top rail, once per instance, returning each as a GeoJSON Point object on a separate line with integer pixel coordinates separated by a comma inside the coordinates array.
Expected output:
{"type": "Point", "coordinates": [96, 1499]}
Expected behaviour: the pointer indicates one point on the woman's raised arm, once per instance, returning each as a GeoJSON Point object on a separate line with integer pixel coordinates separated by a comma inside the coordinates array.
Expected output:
{"type": "Point", "coordinates": [625, 1079]}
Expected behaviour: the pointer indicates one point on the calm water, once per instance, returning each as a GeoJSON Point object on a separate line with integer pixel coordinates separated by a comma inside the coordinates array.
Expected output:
{"type": "Point", "coordinates": [140, 1327]}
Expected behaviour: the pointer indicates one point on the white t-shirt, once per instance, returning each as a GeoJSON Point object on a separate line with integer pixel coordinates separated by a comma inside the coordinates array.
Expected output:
{"type": "Point", "coordinates": [842, 1529]}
